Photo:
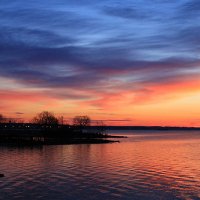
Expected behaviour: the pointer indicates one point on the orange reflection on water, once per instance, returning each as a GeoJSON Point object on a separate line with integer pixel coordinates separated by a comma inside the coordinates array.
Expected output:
{"type": "Point", "coordinates": [161, 165]}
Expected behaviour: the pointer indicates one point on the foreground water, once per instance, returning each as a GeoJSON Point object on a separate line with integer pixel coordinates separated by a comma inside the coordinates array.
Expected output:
{"type": "Point", "coordinates": [146, 165]}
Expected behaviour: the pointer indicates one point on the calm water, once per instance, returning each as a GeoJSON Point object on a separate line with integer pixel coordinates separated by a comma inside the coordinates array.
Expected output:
{"type": "Point", "coordinates": [147, 165]}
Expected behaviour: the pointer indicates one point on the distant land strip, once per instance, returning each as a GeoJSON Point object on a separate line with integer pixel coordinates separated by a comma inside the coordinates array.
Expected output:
{"type": "Point", "coordinates": [150, 128]}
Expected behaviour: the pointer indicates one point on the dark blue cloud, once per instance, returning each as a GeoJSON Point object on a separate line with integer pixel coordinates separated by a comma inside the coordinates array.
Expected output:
{"type": "Point", "coordinates": [127, 13]}
{"type": "Point", "coordinates": [191, 7]}
{"type": "Point", "coordinates": [59, 43]}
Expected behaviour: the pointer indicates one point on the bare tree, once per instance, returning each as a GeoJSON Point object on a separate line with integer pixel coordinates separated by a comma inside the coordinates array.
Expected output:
{"type": "Point", "coordinates": [46, 118]}
{"type": "Point", "coordinates": [81, 121]}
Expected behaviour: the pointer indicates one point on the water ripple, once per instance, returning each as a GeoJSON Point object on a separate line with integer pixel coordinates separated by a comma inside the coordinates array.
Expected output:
{"type": "Point", "coordinates": [152, 167]}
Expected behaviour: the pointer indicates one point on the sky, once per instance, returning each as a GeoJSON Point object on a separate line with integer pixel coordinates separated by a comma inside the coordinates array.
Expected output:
{"type": "Point", "coordinates": [123, 62]}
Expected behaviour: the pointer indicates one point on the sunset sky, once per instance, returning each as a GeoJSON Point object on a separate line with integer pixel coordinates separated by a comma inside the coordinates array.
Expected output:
{"type": "Point", "coordinates": [124, 62]}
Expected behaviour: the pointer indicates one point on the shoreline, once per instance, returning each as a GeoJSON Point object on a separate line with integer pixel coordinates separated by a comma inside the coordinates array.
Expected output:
{"type": "Point", "coordinates": [54, 136]}
{"type": "Point", "coordinates": [31, 144]}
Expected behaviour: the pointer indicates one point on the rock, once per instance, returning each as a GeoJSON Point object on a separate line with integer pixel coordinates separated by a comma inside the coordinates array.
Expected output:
{"type": "Point", "coordinates": [1, 175]}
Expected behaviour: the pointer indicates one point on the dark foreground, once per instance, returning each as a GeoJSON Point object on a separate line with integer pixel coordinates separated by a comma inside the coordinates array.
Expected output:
{"type": "Point", "coordinates": [145, 166]}
{"type": "Point", "coordinates": [31, 134]}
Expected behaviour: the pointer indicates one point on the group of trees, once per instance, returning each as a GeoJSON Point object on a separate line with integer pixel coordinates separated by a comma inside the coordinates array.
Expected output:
{"type": "Point", "coordinates": [48, 118]}
{"type": "Point", "coordinates": [45, 117]}
{"type": "Point", "coordinates": [80, 123]}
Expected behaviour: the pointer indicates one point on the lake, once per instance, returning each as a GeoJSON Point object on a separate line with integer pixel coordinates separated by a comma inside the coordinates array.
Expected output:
{"type": "Point", "coordinates": [146, 165]}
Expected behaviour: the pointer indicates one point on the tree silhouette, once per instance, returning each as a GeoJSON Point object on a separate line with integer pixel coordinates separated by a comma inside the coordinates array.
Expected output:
{"type": "Point", "coordinates": [46, 118]}
{"type": "Point", "coordinates": [1, 118]}
{"type": "Point", "coordinates": [81, 121]}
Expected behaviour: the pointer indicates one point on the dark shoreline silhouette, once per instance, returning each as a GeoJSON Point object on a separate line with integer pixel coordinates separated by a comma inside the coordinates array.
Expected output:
{"type": "Point", "coordinates": [35, 134]}
{"type": "Point", "coordinates": [43, 134]}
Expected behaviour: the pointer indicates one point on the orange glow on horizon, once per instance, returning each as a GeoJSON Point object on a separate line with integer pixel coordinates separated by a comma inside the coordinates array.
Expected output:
{"type": "Point", "coordinates": [175, 104]}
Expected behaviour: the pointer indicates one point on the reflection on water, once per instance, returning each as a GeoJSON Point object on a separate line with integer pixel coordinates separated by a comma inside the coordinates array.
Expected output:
{"type": "Point", "coordinates": [147, 165]}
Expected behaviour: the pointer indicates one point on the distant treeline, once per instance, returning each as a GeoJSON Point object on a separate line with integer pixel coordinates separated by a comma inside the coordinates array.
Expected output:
{"type": "Point", "coordinates": [49, 118]}
{"type": "Point", "coordinates": [46, 128]}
